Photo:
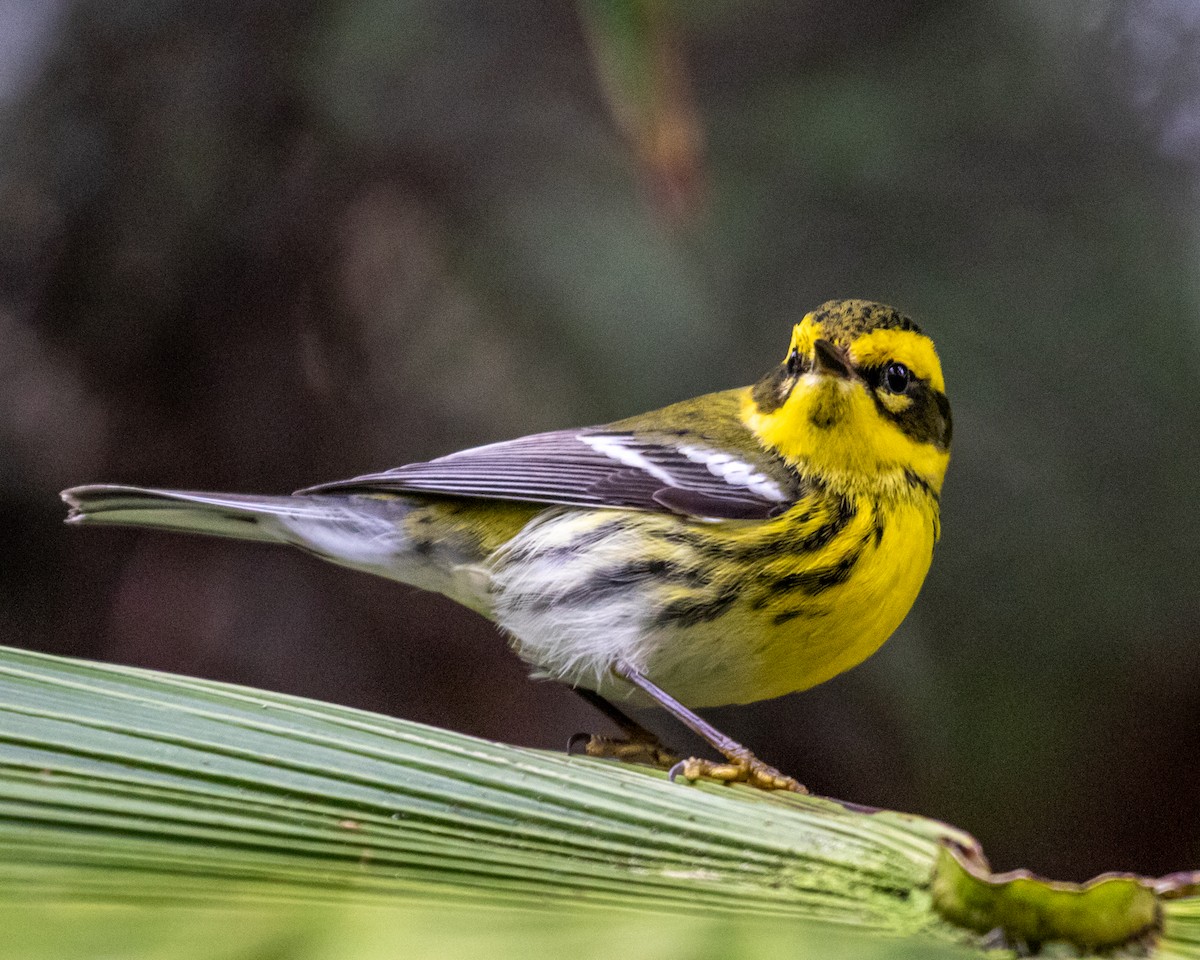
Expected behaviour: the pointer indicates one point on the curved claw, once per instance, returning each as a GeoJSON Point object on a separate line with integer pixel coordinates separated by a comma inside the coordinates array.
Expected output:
{"type": "Point", "coordinates": [575, 740]}
{"type": "Point", "coordinates": [632, 749]}
{"type": "Point", "coordinates": [749, 770]}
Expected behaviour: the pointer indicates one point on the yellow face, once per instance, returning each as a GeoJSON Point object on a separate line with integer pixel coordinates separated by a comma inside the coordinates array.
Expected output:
{"type": "Point", "coordinates": [859, 401]}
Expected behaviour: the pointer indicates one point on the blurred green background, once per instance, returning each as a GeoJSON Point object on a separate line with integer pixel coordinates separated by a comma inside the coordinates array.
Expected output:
{"type": "Point", "coordinates": [256, 245]}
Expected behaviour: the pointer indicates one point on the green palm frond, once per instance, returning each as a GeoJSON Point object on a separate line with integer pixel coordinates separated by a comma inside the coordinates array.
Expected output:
{"type": "Point", "coordinates": [136, 805]}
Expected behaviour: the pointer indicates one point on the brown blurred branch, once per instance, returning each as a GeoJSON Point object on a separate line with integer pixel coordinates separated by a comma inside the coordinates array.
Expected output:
{"type": "Point", "coordinates": [639, 60]}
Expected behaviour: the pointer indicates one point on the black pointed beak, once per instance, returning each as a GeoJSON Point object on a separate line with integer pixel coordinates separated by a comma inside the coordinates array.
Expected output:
{"type": "Point", "coordinates": [831, 359]}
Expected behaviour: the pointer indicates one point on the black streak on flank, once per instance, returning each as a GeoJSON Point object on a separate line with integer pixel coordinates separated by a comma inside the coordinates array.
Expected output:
{"type": "Point", "coordinates": [776, 545]}
{"type": "Point", "coordinates": [774, 541]}
{"type": "Point", "coordinates": [814, 582]}
{"type": "Point", "coordinates": [606, 584]}
{"type": "Point", "coordinates": [877, 526]}
{"type": "Point", "coordinates": [824, 534]}
{"type": "Point", "coordinates": [697, 610]}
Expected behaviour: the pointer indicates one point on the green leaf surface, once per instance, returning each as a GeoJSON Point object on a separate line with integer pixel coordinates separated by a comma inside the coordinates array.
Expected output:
{"type": "Point", "coordinates": [190, 805]}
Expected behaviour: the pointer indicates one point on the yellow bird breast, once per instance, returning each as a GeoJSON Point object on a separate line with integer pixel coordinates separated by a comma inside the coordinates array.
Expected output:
{"type": "Point", "coordinates": [715, 613]}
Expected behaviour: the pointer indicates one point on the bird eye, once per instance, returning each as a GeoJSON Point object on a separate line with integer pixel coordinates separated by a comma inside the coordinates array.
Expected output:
{"type": "Point", "coordinates": [897, 377]}
{"type": "Point", "coordinates": [795, 364]}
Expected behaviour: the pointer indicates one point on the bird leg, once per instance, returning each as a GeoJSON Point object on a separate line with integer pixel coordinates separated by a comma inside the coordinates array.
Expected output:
{"type": "Point", "coordinates": [639, 745]}
{"type": "Point", "coordinates": [741, 767]}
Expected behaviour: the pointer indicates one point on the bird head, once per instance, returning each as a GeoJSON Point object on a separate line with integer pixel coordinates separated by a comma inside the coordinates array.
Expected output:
{"type": "Point", "coordinates": [858, 402]}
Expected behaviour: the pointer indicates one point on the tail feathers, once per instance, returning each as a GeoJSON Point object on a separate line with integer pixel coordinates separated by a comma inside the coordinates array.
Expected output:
{"type": "Point", "coordinates": [356, 531]}
{"type": "Point", "coordinates": [216, 514]}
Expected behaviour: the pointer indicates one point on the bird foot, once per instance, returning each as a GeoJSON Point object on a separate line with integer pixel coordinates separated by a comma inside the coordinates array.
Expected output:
{"type": "Point", "coordinates": [748, 769]}
{"type": "Point", "coordinates": [644, 750]}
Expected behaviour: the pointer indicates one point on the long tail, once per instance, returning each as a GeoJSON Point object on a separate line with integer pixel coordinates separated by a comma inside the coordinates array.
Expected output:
{"type": "Point", "coordinates": [356, 531]}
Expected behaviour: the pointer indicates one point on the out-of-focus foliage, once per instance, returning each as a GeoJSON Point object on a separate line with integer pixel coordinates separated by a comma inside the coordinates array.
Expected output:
{"type": "Point", "coordinates": [428, 933]}
{"type": "Point", "coordinates": [250, 245]}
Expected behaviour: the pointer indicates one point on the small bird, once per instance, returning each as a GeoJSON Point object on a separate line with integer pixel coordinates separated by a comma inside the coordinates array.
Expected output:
{"type": "Point", "coordinates": [731, 548]}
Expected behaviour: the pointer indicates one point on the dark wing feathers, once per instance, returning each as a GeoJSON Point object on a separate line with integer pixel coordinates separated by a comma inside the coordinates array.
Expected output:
{"type": "Point", "coordinates": [594, 468]}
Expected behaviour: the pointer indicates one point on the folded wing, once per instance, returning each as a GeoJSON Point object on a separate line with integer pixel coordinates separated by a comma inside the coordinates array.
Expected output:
{"type": "Point", "coordinates": [595, 468]}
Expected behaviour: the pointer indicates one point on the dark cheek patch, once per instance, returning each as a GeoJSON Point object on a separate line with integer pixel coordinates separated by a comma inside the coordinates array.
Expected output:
{"type": "Point", "coordinates": [943, 406]}
{"type": "Point", "coordinates": [926, 420]}
{"type": "Point", "coordinates": [772, 390]}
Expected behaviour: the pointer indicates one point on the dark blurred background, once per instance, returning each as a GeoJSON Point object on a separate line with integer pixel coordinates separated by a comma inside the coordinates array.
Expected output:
{"type": "Point", "coordinates": [255, 245]}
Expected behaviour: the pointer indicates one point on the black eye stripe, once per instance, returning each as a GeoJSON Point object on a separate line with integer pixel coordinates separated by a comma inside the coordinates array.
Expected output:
{"type": "Point", "coordinates": [926, 419]}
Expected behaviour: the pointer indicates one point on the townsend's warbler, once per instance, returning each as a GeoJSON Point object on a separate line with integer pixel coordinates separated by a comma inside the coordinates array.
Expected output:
{"type": "Point", "coordinates": [726, 549]}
